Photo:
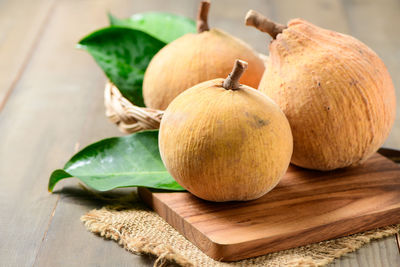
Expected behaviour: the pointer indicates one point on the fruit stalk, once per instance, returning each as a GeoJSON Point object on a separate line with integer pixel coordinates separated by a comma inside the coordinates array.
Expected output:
{"type": "Point", "coordinates": [185, 62]}
{"type": "Point", "coordinates": [257, 20]}
{"type": "Point", "coordinates": [232, 81]}
{"type": "Point", "coordinates": [202, 16]}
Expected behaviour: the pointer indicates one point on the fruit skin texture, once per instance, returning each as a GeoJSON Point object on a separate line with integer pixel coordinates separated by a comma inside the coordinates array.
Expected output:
{"type": "Point", "coordinates": [225, 145]}
{"type": "Point", "coordinates": [335, 91]}
{"type": "Point", "coordinates": [196, 58]}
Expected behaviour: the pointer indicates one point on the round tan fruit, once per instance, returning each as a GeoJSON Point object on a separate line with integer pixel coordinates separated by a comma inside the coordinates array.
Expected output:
{"type": "Point", "coordinates": [223, 141]}
{"type": "Point", "coordinates": [196, 58]}
{"type": "Point", "coordinates": [335, 91]}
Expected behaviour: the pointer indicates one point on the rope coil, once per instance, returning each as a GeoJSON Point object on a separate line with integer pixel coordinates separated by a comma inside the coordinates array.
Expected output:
{"type": "Point", "coordinates": [128, 117]}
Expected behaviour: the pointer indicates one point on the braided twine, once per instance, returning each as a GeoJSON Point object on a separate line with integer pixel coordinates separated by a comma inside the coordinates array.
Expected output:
{"type": "Point", "coordinates": [128, 117]}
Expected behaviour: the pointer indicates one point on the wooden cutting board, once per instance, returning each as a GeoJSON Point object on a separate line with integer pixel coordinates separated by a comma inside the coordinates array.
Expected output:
{"type": "Point", "coordinates": [306, 207]}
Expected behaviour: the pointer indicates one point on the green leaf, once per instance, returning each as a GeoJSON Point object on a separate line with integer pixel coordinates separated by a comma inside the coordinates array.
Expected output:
{"type": "Point", "coordinates": [128, 161]}
{"type": "Point", "coordinates": [123, 54]}
{"type": "Point", "coordinates": [163, 26]}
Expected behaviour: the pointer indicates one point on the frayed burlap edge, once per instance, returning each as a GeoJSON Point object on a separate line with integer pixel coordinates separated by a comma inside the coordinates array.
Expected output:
{"type": "Point", "coordinates": [164, 253]}
{"type": "Point", "coordinates": [142, 231]}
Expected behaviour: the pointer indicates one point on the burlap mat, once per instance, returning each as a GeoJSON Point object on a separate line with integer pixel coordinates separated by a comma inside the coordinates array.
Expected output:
{"type": "Point", "coordinates": [140, 230]}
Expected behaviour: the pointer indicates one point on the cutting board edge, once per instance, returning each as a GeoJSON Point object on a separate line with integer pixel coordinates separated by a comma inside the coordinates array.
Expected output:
{"type": "Point", "coordinates": [262, 246]}
{"type": "Point", "coordinates": [189, 231]}
{"type": "Point", "coordinates": [235, 254]}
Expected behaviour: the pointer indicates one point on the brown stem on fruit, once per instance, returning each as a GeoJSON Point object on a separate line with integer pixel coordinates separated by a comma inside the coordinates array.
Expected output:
{"type": "Point", "coordinates": [232, 81]}
{"type": "Point", "coordinates": [202, 16]}
{"type": "Point", "coordinates": [257, 20]}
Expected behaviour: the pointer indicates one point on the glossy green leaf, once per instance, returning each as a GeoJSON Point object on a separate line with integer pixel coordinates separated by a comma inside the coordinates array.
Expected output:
{"type": "Point", "coordinates": [128, 161]}
{"type": "Point", "coordinates": [163, 26]}
{"type": "Point", "coordinates": [123, 54]}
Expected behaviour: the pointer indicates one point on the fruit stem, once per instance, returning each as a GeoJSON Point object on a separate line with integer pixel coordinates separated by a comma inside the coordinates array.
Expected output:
{"type": "Point", "coordinates": [202, 16]}
{"type": "Point", "coordinates": [232, 81]}
{"type": "Point", "coordinates": [257, 20]}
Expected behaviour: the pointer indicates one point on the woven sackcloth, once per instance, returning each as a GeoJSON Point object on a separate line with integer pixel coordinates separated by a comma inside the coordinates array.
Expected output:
{"type": "Point", "coordinates": [141, 231]}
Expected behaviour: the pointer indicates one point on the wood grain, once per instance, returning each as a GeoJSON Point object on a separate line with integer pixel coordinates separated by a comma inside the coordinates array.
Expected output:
{"type": "Point", "coordinates": [306, 207]}
{"type": "Point", "coordinates": [324, 13]}
{"type": "Point", "coordinates": [231, 20]}
{"type": "Point", "coordinates": [48, 112]}
{"type": "Point", "coordinates": [363, 19]}
{"type": "Point", "coordinates": [373, 23]}
{"type": "Point", "coordinates": [21, 24]}
{"type": "Point", "coordinates": [369, 21]}
{"type": "Point", "coordinates": [54, 105]}
{"type": "Point", "coordinates": [378, 253]}
{"type": "Point", "coordinates": [67, 242]}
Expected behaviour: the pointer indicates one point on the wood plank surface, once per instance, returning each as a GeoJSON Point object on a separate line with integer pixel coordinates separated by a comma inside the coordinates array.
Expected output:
{"type": "Point", "coordinates": [48, 113]}
{"type": "Point", "coordinates": [324, 13]}
{"type": "Point", "coordinates": [374, 22]}
{"type": "Point", "coordinates": [67, 242]}
{"type": "Point", "coordinates": [21, 25]}
{"type": "Point", "coordinates": [231, 20]}
{"type": "Point", "coordinates": [56, 103]}
{"type": "Point", "coordinates": [305, 207]}
{"type": "Point", "coordinates": [361, 18]}
{"type": "Point", "coordinates": [378, 253]}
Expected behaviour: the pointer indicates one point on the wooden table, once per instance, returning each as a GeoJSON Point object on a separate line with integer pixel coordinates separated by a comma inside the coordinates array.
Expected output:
{"type": "Point", "coordinates": [51, 101]}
